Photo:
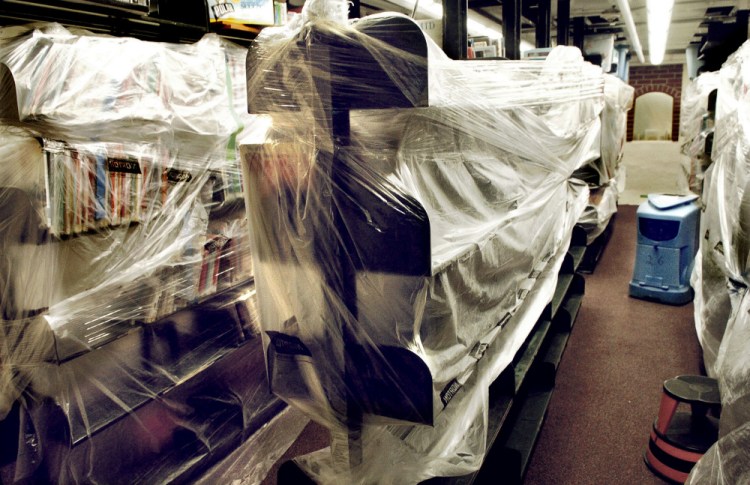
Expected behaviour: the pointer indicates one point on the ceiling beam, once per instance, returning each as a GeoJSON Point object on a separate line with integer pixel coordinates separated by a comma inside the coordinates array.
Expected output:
{"type": "Point", "coordinates": [474, 4]}
{"type": "Point", "coordinates": [512, 28]}
{"type": "Point", "coordinates": [563, 22]}
{"type": "Point", "coordinates": [543, 20]}
{"type": "Point", "coordinates": [489, 16]}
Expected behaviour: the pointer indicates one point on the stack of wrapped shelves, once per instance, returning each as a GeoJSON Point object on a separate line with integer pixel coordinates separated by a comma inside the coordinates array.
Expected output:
{"type": "Point", "coordinates": [605, 176]}
{"type": "Point", "coordinates": [126, 289]}
{"type": "Point", "coordinates": [720, 277]}
{"type": "Point", "coordinates": [697, 113]}
{"type": "Point", "coordinates": [409, 215]}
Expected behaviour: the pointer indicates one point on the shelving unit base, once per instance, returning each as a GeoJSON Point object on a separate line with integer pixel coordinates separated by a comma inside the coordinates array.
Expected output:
{"type": "Point", "coordinates": [520, 395]}
{"type": "Point", "coordinates": [594, 251]}
{"type": "Point", "coordinates": [161, 404]}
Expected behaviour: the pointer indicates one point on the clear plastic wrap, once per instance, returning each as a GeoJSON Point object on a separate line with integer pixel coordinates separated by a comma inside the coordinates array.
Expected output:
{"type": "Point", "coordinates": [251, 462]}
{"type": "Point", "coordinates": [697, 127]}
{"type": "Point", "coordinates": [722, 277]}
{"type": "Point", "coordinates": [728, 460]}
{"type": "Point", "coordinates": [110, 213]}
{"type": "Point", "coordinates": [128, 335]}
{"type": "Point", "coordinates": [403, 209]}
{"type": "Point", "coordinates": [455, 444]}
{"type": "Point", "coordinates": [618, 100]}
{"type": "Point", "coordinates": [600, 209]}
{"type": "Point", "coordinates": [75, 84]}
{"type": "Point", "coordinates": [694, 104]}
{"type": "Point", "coordinates": [715, 290]}
{"type": "Point", "coordinates": [604, 175]}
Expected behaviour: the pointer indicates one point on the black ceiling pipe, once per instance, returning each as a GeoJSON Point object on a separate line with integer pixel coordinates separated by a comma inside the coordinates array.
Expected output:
{"type": "Point", "coordinates": [743, 16]}
{"type": "Point", "coordinates": [579, 28]}
{"type": "Point", "coordinates": [543, 20]}
{"type": "Point", "coordinates": [512, 28]}
{"type": "Point", "coordinates": [455, 33]}
{"type": "Point", "coordinates": [355, 9]}
{"type": "Point", "coordinates": [563, 22]}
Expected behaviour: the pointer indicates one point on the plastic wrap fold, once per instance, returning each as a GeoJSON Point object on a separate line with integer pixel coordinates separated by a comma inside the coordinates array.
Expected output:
{"type": "Point", "coordinates": [403, 208]}
{"type": "Point", "coordinates": [601, 208]}
{"type": "Point", "coordinates": [697, 127]}
{"type": "Point", "coordinates": [618, 100]}
{"type": "Point", "coordinates": [126, 297]}
{"type": "Point", "coordinates": [604, 175]}
{"type": "Point", "coordinates": [722, 277]}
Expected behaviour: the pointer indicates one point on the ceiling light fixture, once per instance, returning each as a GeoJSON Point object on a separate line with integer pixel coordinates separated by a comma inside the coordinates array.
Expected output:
{"type": "Point", "coordinates": [659, 17]}
{"type": "Point", "coordinates": [635, 43]}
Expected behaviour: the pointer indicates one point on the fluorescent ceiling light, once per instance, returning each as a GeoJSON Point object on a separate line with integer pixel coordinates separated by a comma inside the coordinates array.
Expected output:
{"type": "Point", "coordinates": [475, 24]}
{"type": "Point", "coordinates": [659, 16]}
{"type": "Point", "coordinates": [635, 43]}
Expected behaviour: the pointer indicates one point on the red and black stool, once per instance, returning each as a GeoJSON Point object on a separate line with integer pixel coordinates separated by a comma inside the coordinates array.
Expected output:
{"type": "Point", "coordinates": [679, 439]}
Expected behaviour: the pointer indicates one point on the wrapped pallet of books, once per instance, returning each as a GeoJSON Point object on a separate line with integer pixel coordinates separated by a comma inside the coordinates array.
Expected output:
{"type": "Point", "coordinates": [721, 281]}
{"type": "Point", "coordinates": [605, 175]}
{"type": "Point", "coordinates": [618, 100]}
{"type": "Point", "coordinates": [697, 113]}
{"type": "Point", "coordinates": [125, 270]}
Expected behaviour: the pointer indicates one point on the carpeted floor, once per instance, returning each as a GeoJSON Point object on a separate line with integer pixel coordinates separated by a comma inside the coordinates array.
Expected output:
{"type": "Point", "coordinates": [608, 385]}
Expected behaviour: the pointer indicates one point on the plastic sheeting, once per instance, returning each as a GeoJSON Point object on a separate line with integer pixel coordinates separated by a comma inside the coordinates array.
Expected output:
{"type": "Point", "coordinates": [722, 302]}
{"type": "Point", "coordinates": [252, 461]}
{"type": "Point", "coordinates": [601, 208]}
{"type": "Point", "coordinates": [403, 209]}
{"type": "Point", "coordinates": [618, 100]}
{"type": "Point", "coordinates": [456, 442]}
{"type": "Point", "coordinates": [128, 340]}
{"type": "Point", "coordinates": [697, 127]}
{"type": "Point", "coordinates": [604, 175]}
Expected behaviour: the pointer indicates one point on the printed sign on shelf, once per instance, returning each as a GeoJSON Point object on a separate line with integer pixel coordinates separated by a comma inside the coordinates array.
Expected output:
{"type": "Point", "coordinates": [255, 12]}
{"type": "Point", "coordinates": [433, 28]}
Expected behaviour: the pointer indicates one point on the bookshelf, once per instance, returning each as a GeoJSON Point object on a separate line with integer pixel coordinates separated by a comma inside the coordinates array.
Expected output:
{"type": "Point", "coordinates": [127, 323]}
{"type": "Point", "coordinates": [81, 197]}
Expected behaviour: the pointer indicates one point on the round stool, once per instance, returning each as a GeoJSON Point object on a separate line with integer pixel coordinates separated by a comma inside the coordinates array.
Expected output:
{"type": "Point", "coordinates": [679, 439]}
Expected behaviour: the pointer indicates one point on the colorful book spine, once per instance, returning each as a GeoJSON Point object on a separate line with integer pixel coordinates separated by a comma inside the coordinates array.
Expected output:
{"type": "Point", "coordinates": [88, 190]}
{"type": "Point", "coordinates": [101, 187]}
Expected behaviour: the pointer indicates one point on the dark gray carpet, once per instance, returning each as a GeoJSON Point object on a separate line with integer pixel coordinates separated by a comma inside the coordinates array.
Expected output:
{"type": "Point", "coordinates": [609, 382]}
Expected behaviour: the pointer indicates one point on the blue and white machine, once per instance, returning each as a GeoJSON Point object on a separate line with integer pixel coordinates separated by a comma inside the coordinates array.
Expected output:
{"type": "Point", "coordinates": [667, 243]}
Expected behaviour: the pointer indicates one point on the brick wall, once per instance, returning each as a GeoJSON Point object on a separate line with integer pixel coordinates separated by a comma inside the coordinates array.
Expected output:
{"type": "Point", "coordinates": [664, 79]}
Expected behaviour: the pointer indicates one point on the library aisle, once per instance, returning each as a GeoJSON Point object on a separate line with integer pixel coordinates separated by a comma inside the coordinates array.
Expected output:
{"type": "Point", "coordinates": [609, 382]}
{"type": "Point", "coordinates": [652, 167]}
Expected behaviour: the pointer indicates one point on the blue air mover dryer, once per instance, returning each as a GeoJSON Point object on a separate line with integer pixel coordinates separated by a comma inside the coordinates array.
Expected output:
{"type": "Point", "coordinates": [667, 243]}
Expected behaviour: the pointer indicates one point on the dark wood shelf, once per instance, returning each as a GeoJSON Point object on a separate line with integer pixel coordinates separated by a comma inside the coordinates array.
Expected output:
{"type": "Point", "coordinates": [530, 352]}
{"type": "Point", "coordinates": [151, 361]}
{"type": "Point", "coordinates": [577, 253]}
{"type": "Point", "coordinates": [148, 402]}
{"type": "Point", "coordinates": [70, 341]}
{"type": "Point", "coordinates": [595, 250]}
{"type": "Point", "coordinates": [200, 372]}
